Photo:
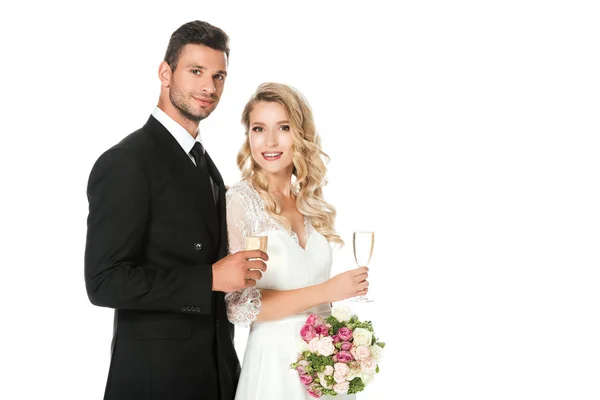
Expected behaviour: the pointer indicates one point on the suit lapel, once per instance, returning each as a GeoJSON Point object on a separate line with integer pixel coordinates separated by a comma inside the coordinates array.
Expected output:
{"type": "Point", "coordinates": [186, 174]}
{"type": "Point", "coordinates": [214, 172]}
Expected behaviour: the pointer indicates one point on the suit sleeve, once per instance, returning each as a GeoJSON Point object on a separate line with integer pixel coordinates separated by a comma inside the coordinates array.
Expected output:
{"type": "Point", "coordinates": [115, 273]}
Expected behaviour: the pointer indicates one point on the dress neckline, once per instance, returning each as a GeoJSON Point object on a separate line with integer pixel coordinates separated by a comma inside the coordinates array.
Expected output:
{"type": "Point", "coordinates": [308, 228]}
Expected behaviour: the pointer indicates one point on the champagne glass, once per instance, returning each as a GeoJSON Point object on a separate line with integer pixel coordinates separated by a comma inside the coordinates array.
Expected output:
{"type": "Point", "coordinates": [258, 231]}
{"type": "Point", "coordinates": [363, 242]}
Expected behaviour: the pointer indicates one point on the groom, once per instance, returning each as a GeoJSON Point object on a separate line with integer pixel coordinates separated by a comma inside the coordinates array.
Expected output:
{"type": "Point", "coordinates": [156, 247]}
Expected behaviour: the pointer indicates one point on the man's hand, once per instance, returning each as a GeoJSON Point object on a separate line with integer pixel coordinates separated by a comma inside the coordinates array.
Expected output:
{"type": "Point", "coordinates": [238, 271]}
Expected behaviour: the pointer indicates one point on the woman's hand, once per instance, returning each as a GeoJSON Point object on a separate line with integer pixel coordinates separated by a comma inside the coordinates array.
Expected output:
{"type": "Point", "coordinates": [347, 284]}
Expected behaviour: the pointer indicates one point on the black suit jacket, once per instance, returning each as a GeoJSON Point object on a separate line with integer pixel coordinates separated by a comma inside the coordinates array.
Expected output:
{"type": "Point", "coordinates": [153, 234]}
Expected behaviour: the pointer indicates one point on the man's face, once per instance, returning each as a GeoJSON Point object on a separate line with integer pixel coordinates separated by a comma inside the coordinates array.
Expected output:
{"type": "Point", "coordinates": [197, 82]}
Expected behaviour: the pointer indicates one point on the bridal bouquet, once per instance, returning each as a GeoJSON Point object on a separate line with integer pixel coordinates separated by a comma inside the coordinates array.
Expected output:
{"type": "Point", "coordinates": [339, 355]}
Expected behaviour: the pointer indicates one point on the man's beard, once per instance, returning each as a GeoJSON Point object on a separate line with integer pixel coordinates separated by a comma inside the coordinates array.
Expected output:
{"type": "Point", "coordinates": [184, 108]}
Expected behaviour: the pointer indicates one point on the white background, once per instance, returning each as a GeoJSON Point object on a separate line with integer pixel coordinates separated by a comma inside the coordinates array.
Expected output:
{"type": "Point", "coordinates": [465, 133]}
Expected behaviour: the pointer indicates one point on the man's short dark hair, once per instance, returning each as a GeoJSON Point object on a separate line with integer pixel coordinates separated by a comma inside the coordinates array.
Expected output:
{"type": "Point", "coordinates": [196, 32]}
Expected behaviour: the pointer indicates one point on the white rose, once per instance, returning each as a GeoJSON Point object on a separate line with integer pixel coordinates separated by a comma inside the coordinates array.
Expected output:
{"type": "Point", "coordinates": [368, 366]}
{"type": "Point", "coordinates": [376, 353]}
{"type": "Point", "coordinates": [367, 378]}
{"type": "Point", "coordinates": [302, 345]}
{"type": "Point", "coordinates": [353, 373]}
{"type": "Point", "coordinates": [342, 387]}
{"type": "Point", "coordinates": [341, 312]}
{"type": "Point", "coordinates": [362, 353]}
{"type": "Point", "coordinates": [325, 346]}
{"type": "Point", "coordinates": [362, 337]}
{"type": "Point", "coordinates": [339, 377]}
{"type": "Point", "coordinates": [341, 368]}
{"type": "Point", "coordinates": [312, 345]}
{"type": "Point", "coordinates": [328, 370]}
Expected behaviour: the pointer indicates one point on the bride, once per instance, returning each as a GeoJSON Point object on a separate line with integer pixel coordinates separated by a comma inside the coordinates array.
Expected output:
{"type": "Point", "coordinates": [283, 172]}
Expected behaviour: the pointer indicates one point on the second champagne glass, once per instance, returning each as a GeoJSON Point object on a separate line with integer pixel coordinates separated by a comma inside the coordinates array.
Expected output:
{"type": "Point", "coordinates": [363, 242]}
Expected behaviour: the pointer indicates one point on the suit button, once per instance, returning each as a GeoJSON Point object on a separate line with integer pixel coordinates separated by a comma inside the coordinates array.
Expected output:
{"type": "Point", "coordinates": [197, 246]}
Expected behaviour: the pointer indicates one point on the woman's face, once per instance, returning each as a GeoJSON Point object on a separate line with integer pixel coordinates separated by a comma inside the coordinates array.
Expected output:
{"type": "Point", "coordinates": [271, 138]}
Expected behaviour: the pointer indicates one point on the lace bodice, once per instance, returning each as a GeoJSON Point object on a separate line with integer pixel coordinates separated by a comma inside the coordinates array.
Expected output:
{"type": "Point", "coordinates": [245, 204]}
{"type": "Point", "coordinates": [289, 267]}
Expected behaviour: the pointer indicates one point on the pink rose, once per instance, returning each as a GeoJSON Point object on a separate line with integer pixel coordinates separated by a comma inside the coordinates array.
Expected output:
{"type": "Point", "coordinates": [368, 366]}
{"type": "Point", "coordinates": [325, 346]}
{"type": "Point", "coordinates": [319, 321]}
{"type": "Point", "coordinates": [301, 370]}
{"type": "Point", "coordinates": [314, 391]}
{"type": "Point", "coordinates": [314, 320]}
{"type": "Point", "coordinates": [344, 356]}
{"type": "Point", "coordinates": [313, 344]}
{"type": "Point", "coordinates": [337, 377]}
{"type": "Point", "coordinates": [336, 339]}
{"type": "Point", "coordinates": [322, 330]}
{"type": "Point", "coordinates": [362, 353]}
{"type": "Point", "coordinates": [344, 333]}
{"type": "Point", "coordinates": [342, 387]}
{"type": "Point", "coordinates": [307, 333]}
{"type": "Point", "coordinates": [334, 358]}
{"type": "Point", "coordinates": [346, 346]}
{"type": "Point", "coordinates": [306, 379]}
{"type": "Point", "coordinates": [341, 368]}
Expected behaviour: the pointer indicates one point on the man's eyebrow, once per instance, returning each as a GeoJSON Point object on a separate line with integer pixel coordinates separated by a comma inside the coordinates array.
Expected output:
{"type": "Point", "coordinates": [202, 67]}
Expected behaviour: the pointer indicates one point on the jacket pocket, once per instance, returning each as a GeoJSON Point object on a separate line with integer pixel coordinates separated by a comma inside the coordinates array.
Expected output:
{"type": "Point", "coordinates": [157, 328]}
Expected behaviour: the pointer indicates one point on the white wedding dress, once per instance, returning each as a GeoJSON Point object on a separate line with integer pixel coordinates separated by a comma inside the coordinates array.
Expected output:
{"type": "Point", "coordinates": [272, 346]}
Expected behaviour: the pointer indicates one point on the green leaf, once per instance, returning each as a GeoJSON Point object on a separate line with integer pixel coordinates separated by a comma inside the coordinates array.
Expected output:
{"type": "Point", "coordinates": [318, 362]}
{"type": "Point", "coordinates": [356, 385]}
{"type": "Point", "coordinates": [365, 325]}
{"type": "Point", "coordinates": [329, 379]}
{"type": "Point", "coordinates": [335, 324]}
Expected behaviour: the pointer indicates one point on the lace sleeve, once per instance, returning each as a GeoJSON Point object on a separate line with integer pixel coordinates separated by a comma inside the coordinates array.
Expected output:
{"type": "Point", "coordinates": [237, 209]}
{"type": "Point", "coordinates": [243, 305]}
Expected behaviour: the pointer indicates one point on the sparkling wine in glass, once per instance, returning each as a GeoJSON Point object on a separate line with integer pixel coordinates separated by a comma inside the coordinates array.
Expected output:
{"type": "Point", "coordinates": [363, 242]}
{"type": "Point", "coordinates": [257, 235]}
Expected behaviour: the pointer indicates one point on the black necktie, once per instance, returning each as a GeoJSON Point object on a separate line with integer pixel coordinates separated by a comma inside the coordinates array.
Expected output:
{"type": "Point", "coordinates": [200, 157]}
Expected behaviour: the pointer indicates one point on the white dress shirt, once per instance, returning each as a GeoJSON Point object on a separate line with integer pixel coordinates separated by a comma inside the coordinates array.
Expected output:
{"type": "Point", "coordinates": [183, 137]}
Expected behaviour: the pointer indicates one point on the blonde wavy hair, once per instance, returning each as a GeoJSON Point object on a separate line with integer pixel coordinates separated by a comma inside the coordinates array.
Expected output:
{"type": "Point", "coordinates": [308, 176]}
